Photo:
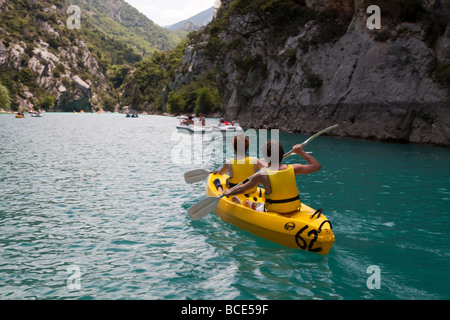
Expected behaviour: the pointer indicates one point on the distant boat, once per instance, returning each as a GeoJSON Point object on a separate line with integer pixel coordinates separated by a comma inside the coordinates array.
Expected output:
{"type": "Point", "coordinates": [36, 114]}
{"type": "Point", "coordinates": [227, 128]}
{"type": "Point", "coordinates": [20, 115]}
{"type": "Point", "coordinates": [191, 128]}
{"type": "Point", "coordinates": [194, 129]}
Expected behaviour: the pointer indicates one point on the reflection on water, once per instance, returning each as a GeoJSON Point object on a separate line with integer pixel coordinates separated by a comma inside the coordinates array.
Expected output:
{"type": "Point", "coordinates": [103, 192]}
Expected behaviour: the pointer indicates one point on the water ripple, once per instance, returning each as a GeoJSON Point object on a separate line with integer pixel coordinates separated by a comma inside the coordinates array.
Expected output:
{"type": "Point", "coordinates": [100, 192]}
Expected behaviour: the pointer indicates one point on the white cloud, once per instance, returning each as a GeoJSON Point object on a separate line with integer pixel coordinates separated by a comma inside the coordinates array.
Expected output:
{"type": "Point", "coordinates": [167, 12]}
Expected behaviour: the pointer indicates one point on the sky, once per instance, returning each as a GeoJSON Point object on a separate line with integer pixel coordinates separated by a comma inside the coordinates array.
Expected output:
{"type": "Point", "coordinates": [168, 12]}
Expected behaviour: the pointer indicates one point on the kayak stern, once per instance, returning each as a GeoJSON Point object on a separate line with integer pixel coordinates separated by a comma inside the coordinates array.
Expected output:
{"type": "Point", "coordinates": [306, 229]}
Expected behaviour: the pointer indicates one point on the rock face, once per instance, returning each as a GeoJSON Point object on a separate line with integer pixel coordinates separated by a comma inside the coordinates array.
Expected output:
{"type": "Point", "coordinates": [56, 74]}
{"type": "Point", "coordinates": [193, 64]}
{"type": "Point", "coordinates": [376, 84]}
{"type": "Point", "coordinates": [47, 61]}
{"type": "Point", "coordinates": [40, 67]}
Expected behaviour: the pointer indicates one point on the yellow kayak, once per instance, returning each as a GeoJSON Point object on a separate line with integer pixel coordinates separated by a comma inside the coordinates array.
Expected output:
{"type": "Point", "coordinates": [306, 229]}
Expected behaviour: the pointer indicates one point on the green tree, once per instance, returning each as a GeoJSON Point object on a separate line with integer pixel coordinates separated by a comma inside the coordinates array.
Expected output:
{"type": "Point", "coordinates": [47, 103]}
{"type": "Point", "coordinates": [205, 101]}
{"type": "Point", "coordinates": [108, 103]}
{"type": "Point", "coordinates": [175, 102]}
{"type": "Point", "coordinates": [119, 75]}
{"type": "Point", "coordinates": [26, 76]}
{"type": "Point", "coordinates": [5, 100]}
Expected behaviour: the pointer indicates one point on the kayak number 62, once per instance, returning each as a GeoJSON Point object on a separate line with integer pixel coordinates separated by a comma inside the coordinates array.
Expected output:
{"type": "Point", "coordinates": [302, 242]}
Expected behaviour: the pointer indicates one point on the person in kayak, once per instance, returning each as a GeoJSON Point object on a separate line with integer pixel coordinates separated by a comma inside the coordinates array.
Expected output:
{"type": "Point", "coordinates": [279, 181]}
{"type": "Point", "coordinates": [241, 166]}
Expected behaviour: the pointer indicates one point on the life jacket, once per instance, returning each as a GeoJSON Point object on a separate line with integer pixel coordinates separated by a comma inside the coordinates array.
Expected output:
{"type": "Point", "coordinates": [284, 197]}
{"type": "Point", "coordinates": [242, 169]}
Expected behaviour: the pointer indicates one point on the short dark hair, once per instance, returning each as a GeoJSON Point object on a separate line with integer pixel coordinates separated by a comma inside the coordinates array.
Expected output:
{"type": "Point", "coordinates": [273, 145]}
{"type": "Point", "coordinates": [238, 140]}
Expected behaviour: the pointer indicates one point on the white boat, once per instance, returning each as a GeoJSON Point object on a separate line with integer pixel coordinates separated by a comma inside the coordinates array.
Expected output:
{"type": "Point", "coordinates": [194, 129]}
{"type": "Point", "coordinates": [227, 128]}
{"type": "Point", "coordinates": [36, 114]}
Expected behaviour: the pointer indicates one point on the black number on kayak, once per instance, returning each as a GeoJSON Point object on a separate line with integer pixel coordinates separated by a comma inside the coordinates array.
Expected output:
{"type": "Point", "coordinates": [302, 242]}
{"type": "Point", "coordinates": [299, 238]}
{"type": "Point", "coordinates": [310, 247]}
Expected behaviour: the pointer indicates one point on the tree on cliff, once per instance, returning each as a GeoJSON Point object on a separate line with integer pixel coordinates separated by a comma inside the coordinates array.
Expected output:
{"type": "Point", "coordinates": [175, 103]}
{"type": "Point", "coordinates": [205, 101]}
{"type": "Point", "coordinates": [5, 100]}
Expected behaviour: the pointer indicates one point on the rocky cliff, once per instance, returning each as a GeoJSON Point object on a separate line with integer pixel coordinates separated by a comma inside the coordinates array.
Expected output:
{"type": "Point", "coordinates": [46, 64]}
{"type": "Point", "coordinates": [321, 65]}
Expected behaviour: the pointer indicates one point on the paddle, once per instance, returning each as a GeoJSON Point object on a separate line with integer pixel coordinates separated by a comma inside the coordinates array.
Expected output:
{"type": "Point", "coordinates": [209, 204]}
{"type": "Point", "coordinates": [196, 175]}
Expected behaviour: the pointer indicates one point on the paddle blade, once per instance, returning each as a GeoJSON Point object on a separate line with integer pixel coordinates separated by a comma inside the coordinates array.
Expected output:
{"type": "Point", "coordinates": [203, 208]}
{"type": "Point", "coordinates": [195, 175]}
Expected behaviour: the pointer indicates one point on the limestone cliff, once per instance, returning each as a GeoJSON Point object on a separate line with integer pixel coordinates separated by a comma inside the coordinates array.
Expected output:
{"type": "Point", "coordinates": [48, 62]}
{"type": "Point", "coordinates": [323, 65]}
{"type": "Point", "coordinates": [46, 65]}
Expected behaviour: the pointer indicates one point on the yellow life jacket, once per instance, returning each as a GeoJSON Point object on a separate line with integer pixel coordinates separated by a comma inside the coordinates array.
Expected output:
{"type": "Point", "coordinates": [284, 197]}
{"type": "Point", "coordinates": [242, 169]}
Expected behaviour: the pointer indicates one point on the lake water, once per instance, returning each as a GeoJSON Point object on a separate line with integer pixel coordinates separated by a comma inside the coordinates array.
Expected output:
{"type": "Point", "coordinates": [95, 207]}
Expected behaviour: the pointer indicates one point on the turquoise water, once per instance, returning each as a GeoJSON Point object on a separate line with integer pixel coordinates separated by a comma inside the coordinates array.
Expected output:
{"type": "Point", "coordinates": [104, 195]}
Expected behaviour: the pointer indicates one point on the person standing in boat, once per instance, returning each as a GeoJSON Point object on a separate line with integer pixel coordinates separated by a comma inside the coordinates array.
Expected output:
{"type": "Point", "coordinates": [241, 166]}
{"type": "Point", "coordinates": [279, 181]}
{"type": "Point", "coordinates": [201, 121]}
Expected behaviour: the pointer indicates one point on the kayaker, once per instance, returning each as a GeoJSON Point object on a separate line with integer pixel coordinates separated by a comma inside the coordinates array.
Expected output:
{"type": "Point", "coordinates": [241, 166]}
{"type": "Point", "coordinates": [278, 179]}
